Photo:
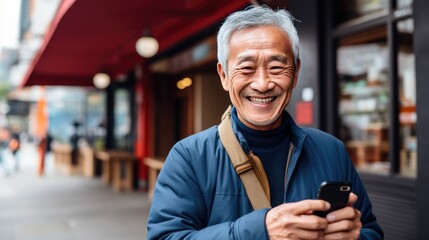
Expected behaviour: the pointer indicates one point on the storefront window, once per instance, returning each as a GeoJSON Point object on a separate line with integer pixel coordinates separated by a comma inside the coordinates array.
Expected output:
{"type": "Point", "coordinates": [95, 119]}
{"type": "Point", "coordinates": [122, 120]}
{"type": "Point", "coordinates": [407, 94]}
{"type": "Point", "coordinates": [363, 74]}
{"type": "Point", "coordinates": [360, 9]}
{"type": "Point", "coordinates": [66, 105]}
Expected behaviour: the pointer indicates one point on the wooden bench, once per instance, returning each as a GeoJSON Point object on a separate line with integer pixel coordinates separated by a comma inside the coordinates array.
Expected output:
{"type": "Point", "coordinates": [155, 166]}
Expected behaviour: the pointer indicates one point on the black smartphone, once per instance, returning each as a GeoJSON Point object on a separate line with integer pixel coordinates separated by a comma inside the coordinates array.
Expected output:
{"type": "Point", "coordinates": [336, 193]}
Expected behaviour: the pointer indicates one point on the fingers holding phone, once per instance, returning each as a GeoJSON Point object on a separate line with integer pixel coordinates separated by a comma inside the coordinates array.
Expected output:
{"type": "Point", "coordinates": [344, 223]}
{"type": "Point", "coordinates": [347, 212]}
{"type": "Point", "coordinates": [296, 220]}
{"type": "Point", "coordinates": [343, 219]}
{"type": "Point", "coordinates": [336, 219]}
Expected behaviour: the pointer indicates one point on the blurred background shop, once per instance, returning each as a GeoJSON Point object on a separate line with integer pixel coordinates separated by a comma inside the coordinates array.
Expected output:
{"type": "Point", "coordinates": [363, 72]}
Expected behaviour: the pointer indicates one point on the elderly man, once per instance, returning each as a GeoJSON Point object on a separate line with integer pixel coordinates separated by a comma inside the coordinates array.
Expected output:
{"type": "Point", "coordinates": [199, 195]}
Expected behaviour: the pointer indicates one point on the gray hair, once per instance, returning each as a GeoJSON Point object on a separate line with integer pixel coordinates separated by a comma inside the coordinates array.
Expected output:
{"type": "Point", "coordinates": [255, 16]}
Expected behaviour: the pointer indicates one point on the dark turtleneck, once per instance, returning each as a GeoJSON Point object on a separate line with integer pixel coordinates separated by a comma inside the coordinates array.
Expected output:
{"type": "Point", "coordinates": [272, 147]}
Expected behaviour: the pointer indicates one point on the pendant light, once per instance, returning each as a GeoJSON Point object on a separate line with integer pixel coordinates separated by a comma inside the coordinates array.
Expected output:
{"type": "Point", "coordinates": [101, 80]}
{"type": "Point", "coordinates": [147, 46]}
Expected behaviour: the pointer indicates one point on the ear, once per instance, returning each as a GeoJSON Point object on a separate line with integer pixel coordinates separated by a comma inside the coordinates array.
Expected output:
{"type": "Point", "coordinates": [295, 76]}
{"type": "Point", "coordinates": [223, 77]}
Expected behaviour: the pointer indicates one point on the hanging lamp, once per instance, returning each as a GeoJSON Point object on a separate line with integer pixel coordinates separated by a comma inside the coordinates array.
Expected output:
{"type": "Point", "coordinates": [147, 46]}
{"type": "Point", "coordinates": [101, 80]}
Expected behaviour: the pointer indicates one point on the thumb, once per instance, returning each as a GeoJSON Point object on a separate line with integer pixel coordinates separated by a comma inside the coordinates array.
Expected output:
{"type": "Point", "coordinates": [352, 199]}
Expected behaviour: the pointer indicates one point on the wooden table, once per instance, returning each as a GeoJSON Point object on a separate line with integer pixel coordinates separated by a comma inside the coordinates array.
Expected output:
{"type": "Point", "coordinates": [86, 157]}
{"type": "Point", "coordinates": [123, 170]}
{"type": "Point", "coordinates": [63, 159]}
{"type": "Point", "coordinates": [106, 169]}
{"type": "Point", "coordinates": [118, 169]}
{"type": "Point", "coordinates": [155, 166]}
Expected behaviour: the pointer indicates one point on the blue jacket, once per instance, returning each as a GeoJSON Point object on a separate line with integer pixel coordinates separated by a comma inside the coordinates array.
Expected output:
{"type": "Point", "coordinates": [198, 194]}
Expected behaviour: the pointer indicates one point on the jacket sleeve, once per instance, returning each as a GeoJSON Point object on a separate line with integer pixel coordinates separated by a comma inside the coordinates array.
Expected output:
{"type": "Point", "coordinates": [179, 209]}
{"type": "Point", "coordinates": [371, 230]}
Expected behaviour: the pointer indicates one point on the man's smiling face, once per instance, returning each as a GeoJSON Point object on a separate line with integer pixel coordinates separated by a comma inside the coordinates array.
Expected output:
{"type": "Point", "coordinates": [261, 75]}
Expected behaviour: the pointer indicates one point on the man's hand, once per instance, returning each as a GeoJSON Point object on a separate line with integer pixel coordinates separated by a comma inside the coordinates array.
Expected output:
{"type": "Point", "coordinates": [295, 220]}
{"type": "Point", "coordinates": [344, 223]}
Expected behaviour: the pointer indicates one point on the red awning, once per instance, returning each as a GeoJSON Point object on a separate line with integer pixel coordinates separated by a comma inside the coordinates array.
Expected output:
{"type": "Point", "coordinates": [88, 36]}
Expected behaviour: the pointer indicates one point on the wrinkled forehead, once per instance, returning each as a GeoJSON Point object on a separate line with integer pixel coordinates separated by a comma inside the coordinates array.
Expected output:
{"type": "Point", "coordinates": [263, 38]}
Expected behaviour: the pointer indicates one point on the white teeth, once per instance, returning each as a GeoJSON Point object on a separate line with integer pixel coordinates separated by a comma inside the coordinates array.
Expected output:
{"type": "Point", "coordinates": [261, 100]}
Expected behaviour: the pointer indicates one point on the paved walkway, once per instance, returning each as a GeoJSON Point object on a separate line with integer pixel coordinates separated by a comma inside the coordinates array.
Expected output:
{"type": "Point", "coordinates": [60, 207]}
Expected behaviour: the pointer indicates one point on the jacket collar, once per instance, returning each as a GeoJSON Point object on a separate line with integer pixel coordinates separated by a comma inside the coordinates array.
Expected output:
{"type": "Point", "coordinates": [298, 134]}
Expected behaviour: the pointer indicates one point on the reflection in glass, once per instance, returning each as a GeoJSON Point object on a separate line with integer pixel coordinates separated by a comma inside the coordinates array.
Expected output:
{"type": "Point", "coordinates": [407, 94]}
{"type": "Point", "coordinates": [95, 119]}
{"type": "Point", "coordinates": [122, 120]}
{"type": "Point", "coordinates": [355, 9]}
{"type": "Point", "coordinates": [403, 3]}
{"type": "Point", "coordinates": [66, 104]}
{"type": "Point", "coordinates": [362, 68]}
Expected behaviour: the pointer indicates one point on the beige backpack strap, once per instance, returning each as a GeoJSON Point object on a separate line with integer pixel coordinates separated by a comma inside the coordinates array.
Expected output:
{"type": "Point", "coordinates": [259, 170]}
{"type": "Point", "coordinates": [249, 168]}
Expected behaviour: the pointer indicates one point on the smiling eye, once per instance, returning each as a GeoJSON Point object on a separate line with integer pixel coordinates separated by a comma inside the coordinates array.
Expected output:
{"type": "Point", "coordinates": [247, 69]}
{"type": "Point", "coordinates": [276, 69]}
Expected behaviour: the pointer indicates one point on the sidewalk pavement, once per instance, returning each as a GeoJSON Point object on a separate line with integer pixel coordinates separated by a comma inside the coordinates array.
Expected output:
{"type": "Point", "coordinates": [63, 207]}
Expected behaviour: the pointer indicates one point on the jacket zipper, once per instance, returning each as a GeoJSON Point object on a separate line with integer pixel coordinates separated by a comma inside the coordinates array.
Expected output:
{"type": "Point", "coordinates": [289, 155]}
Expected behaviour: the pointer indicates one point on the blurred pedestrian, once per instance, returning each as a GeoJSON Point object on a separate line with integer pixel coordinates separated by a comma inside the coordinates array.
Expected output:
{"type": "Point", "coordinates": [49, 140]}
{"type": "Point", "coordinates": [15, 145]}
{"type": "Point", "coordinates": [74, 141]}
{"type": "Point", "coordinates": [4, 139]}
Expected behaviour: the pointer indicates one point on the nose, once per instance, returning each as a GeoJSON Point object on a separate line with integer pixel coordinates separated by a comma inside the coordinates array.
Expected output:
{"type": "Point", "coordinates": [261, 81]}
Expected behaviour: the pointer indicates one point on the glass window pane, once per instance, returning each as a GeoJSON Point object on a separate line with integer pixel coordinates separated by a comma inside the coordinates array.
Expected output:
{"type": "Point", "coordinates": [95, 119]}
{"type": "Point", "coordinates": [359, 9]}
{"type": "Point", "coordinates": [362, 67]}
{"type": "Point", "coordinates": [404, 3]}
{"type": "Point", "coordinates": [66, 105]}
{"type": "Point", "coordinates": [122, 121]}
{"type": "Point", "coordinates": [407, 93]}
